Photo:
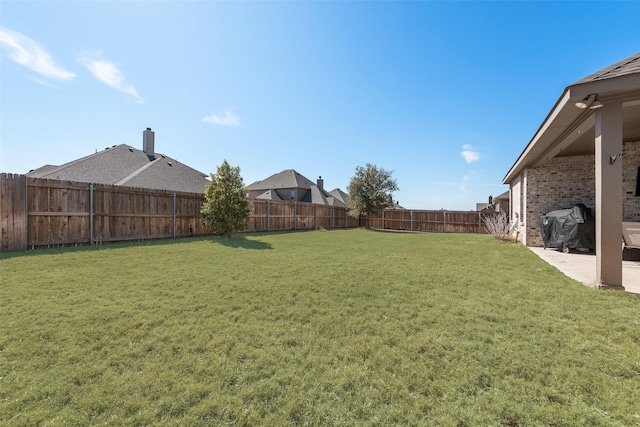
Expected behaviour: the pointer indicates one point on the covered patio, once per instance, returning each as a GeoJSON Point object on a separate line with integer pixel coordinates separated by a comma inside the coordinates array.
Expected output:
{"type": "Point", "coordinates": [596, 122]}
{"type": "Point", "coordinates": [581, 266]}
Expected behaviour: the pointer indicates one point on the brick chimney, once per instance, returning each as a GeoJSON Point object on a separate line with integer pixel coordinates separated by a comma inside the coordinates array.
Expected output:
{"type": "Point", "coordinates": [320, 183]}
{"type": "Point", "coordinates": [148, 139]}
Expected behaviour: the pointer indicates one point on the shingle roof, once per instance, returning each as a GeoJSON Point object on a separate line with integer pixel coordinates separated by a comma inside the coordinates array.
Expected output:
{"type": "Point", "coordinates": [288, 178]}
{"type": "Point", "coordinates": [340, 195]}
{"type": "Point", "coordinates": [317, 196]}
{"type": "Point", "coordinates": [127, 166]}
{"type": "Point", "coordinates": [269, 195]}
{"type": "Point", "coordinates": [630, 65]}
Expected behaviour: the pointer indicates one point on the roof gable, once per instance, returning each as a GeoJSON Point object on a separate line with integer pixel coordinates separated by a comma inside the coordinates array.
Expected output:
{"type": "Point", "coordinates": [340, 195]}
{"type": "Point", "coordinates": [269, 195]}
{"type": "Point", "coordinates": [288, 178]}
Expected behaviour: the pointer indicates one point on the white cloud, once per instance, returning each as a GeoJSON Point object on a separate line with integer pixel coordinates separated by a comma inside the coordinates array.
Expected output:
{"type": "Point", "coordinates": [109, 74]}
{"type": "Point", "coordinates": [228, 118]}
{"type": "Point", "coordinates": [469, 155]}
{"type": "Point", "coordinates": [32, 55]}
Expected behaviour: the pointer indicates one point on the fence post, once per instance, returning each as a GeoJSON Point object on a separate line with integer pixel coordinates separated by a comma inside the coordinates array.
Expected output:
{"type": "Point", "coordinates": [315, 216]}
{"type": "Point", "coordinates": [411, 220]}
{"type": "Point", "coordinates": [294, 215]}
{"type": "Point", "coordinates": [333, 217]}
{"type": "Point", "coordinates": [174, 215]}
{"type": "Point", "coordinates": [383, 219]}
{"type": "Point", "coordinates": [91, 215]}
{"type": "Point", "coordinates": [268, 215]}
{"type": "Point", "coordinates": [444, 220]}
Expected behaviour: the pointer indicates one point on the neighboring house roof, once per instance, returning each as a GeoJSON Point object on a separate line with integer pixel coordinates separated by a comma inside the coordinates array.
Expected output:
{"type": "Point", "coordinates": [269, 195]}
{"type": "Point", "coordinates": [568, 130]}
{"type": "Point", "coordinates": [503, 196]}
{"type": "Point", "coordinates": [340, 195]}
{"type": "Point", "coordinates": [493, 202]}
{"type": "Point", "coordinates": [290, 179]}
{"type": "Point", "coordinates": [126, 166]}
{"type": "Point", "coordinates": [483, 206]}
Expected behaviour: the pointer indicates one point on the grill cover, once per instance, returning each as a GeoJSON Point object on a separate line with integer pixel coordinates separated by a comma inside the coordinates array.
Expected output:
{"type": "Point", "coordinates": [568, 228]}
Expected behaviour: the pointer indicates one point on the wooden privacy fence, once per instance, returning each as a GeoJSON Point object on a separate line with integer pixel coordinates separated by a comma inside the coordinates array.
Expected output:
{"type": "Point", "coordinates": [38, 212]}
{"type": "Point", "coordinates": [441, 221]}
{"type": "Point", "coordinates": [43, 213]}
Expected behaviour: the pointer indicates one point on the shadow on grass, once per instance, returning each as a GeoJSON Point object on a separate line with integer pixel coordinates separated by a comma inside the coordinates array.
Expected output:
{"type": "Point", "coordinates": [240, 241]}
{"type": "Point", "coordinates": [237, 241]}
{"type": "Point", "coordinates": [388, 230]}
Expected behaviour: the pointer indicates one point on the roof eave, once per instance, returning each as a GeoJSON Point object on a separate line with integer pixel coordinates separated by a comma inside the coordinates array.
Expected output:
{"type": "Point", "coordinates": [621, 89]}
{"type": "Point", "coordinates": [520, 162]}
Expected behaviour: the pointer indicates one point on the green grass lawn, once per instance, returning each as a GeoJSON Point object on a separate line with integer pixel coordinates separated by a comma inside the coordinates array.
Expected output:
{"type": "Point", "coordinates": [317, 328]}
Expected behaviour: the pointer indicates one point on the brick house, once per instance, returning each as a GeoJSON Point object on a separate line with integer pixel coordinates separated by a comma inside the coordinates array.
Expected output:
{"type": "Point", "coordinates": [587, 151]}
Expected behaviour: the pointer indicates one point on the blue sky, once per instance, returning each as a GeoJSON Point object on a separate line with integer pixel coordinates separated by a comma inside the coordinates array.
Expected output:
{"type": "Point", "coordinates": [444, 94]}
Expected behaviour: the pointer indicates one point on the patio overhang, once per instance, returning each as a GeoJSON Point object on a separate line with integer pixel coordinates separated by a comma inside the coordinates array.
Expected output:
{"type": "Point", "coordinates": [571, 131]}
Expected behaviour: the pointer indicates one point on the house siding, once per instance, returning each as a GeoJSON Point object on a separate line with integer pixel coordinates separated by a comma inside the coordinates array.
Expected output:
{"type": "Point", "coordinates": [564, 182]}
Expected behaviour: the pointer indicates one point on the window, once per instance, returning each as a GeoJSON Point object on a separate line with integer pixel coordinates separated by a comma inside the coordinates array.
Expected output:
{"type": "Point", "coordinates": [293, 194]}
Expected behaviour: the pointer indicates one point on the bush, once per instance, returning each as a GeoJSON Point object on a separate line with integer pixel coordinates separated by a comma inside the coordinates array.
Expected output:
{"type": "Point", "coordinates": [498, 225]}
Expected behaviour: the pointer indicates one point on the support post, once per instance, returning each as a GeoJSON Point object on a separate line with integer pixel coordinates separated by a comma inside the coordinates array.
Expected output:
{"type": "Point", "coordinates": [608, 146]}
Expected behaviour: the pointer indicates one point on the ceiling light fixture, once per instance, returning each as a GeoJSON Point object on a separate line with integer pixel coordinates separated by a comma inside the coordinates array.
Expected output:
{"type": "Point", "coordinates": [584, 103]}
{"type": "Point", "coordinates": [596, 104]}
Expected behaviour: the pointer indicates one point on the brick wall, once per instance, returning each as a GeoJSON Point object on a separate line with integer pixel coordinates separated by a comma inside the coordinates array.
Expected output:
{"type": "Point", "coordinates": [630, 165]}
{"type": "Point", "coordinates": [564, 182]}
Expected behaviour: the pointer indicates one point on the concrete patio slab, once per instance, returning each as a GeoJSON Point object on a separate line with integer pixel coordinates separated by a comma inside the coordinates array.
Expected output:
{"type": "Point", "coordinates": [581, 266]}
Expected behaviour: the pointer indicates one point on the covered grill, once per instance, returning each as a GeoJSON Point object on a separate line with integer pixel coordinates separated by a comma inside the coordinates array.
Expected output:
{"type": "Point", "coordinates": [566, 229]}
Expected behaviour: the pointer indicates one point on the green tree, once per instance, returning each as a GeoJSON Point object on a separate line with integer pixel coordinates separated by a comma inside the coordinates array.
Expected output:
{"type": "Point", "coordinates": [226, 207]}
{"type": "Point", "coordinates": [370, 191]}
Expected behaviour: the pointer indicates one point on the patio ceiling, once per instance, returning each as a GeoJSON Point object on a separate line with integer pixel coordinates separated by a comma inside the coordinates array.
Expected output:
{"type": "Point", "coordinates": [570, 131]}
